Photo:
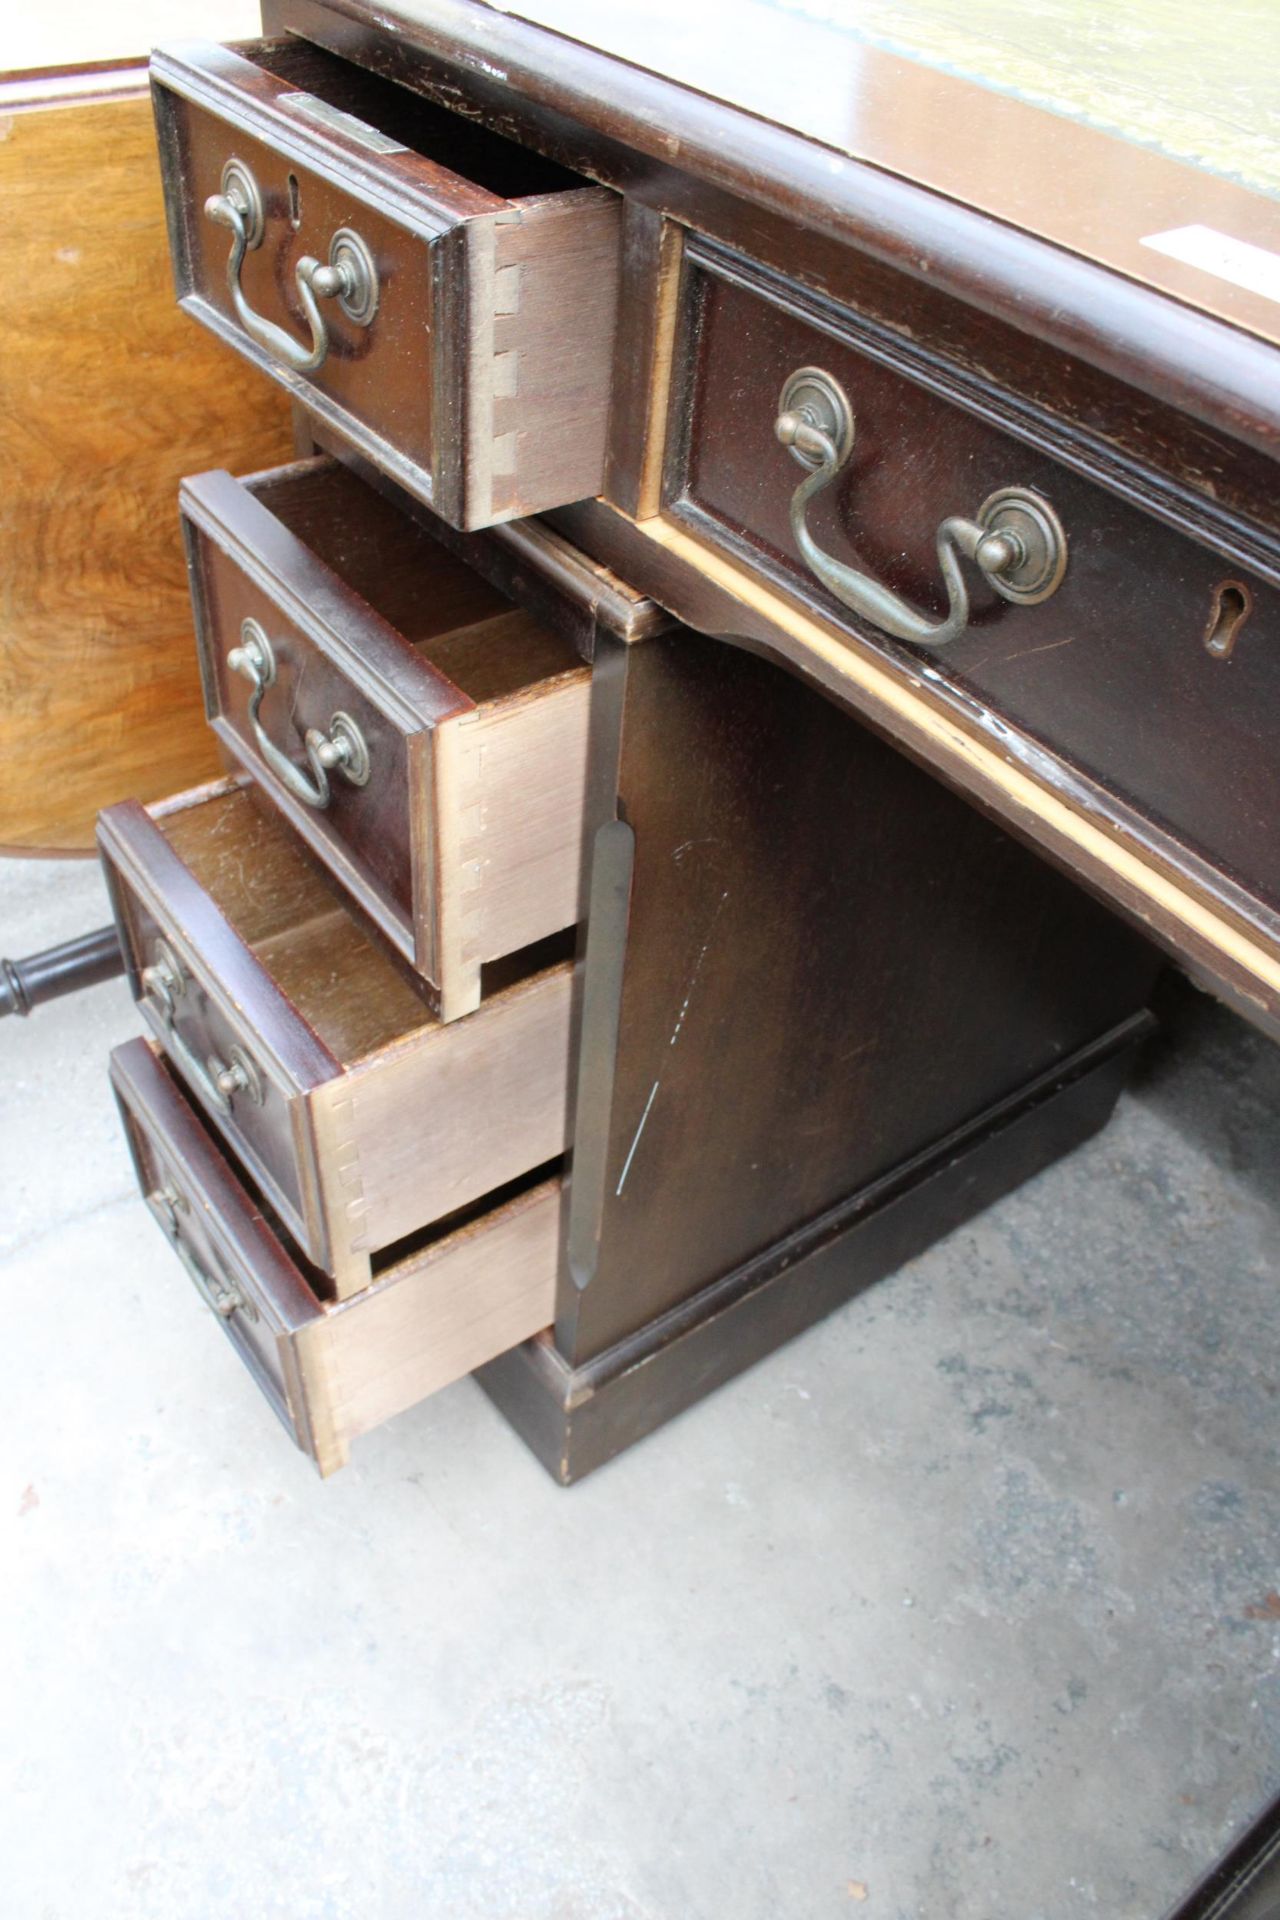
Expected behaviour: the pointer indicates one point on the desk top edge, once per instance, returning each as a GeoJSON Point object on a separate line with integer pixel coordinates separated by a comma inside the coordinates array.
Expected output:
{"type": "Point", "coordinates": [1162, 326]}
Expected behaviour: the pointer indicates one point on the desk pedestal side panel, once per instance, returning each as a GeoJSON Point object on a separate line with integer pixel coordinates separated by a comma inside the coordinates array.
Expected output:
{"type": "Point", "coordinates": [831, 963]}
{"type": "Point", "coordinates": [576, 1418]}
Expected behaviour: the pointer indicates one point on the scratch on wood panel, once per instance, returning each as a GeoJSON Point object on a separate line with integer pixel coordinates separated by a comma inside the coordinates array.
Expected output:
{"type": "Point", "coordinates": [1023, 653]}
{"type": "Point", "coordinates": [697, 965]}
{"type": "Point", "coordinates": [626, 1165]}
{"type": "Point", "coordinates": [687, 846]}
{"type": "Point", "coordinates": [675, 1034]}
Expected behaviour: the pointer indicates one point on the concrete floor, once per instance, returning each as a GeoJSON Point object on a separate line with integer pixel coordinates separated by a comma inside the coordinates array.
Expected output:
{"type": "Point", "coordinates": [963, 1606]}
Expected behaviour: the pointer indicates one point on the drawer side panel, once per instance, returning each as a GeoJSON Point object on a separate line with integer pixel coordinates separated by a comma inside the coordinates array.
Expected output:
{"type": "Point", "coordinates": [543, 356]}
{"type": "Point", "coordinates": [420, 1131]}
{"type": "Point", "coordinates": [480, 1292]}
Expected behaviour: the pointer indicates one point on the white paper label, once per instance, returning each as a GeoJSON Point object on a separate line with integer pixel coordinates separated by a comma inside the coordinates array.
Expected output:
{"type": "Point", "coordinates": [1239, 261]}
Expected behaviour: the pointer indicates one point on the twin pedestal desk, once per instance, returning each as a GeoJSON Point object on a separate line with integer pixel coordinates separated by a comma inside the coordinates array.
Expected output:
{"type": "Point", "coordinates": [768, 644]}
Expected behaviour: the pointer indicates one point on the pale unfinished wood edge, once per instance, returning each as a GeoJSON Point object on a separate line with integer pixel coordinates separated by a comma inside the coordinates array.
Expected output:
{"type": "Point", "coordinates": [308, 1400]}
{"type": "Point", "coordinates": [548, 378]}
{"type": "Point", "coordinates": [477, 351]}
{"type": "Point", "coordinates": [439, 1121]}
{"type": "Point", "coordinates": [666, 328]}
{"type": "Point", "coordinates": [345, 1247]}
{"type": "Point", "coordinates": [312, 1228]}
{"type": "Point", "coordinates": [476, 1294]}
{"type": "Point", "coordinates": [831, 660]}
{"type": "Point", "coordinates": [523, 788]}
{"type": "Point", "coordinates": [423, 854]}
{"type": "Point", "coordinates": [457, 977]}
{"type": "Point", "coordinates": [466, 877]}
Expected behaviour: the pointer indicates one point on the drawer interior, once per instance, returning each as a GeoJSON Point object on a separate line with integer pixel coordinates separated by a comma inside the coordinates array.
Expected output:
{"type": "Point", "coordinates": [347, 989]}
{"type": "Point", "coordinates": [466, 628]}
{"type": "Point", "coordinates": [501, 167]}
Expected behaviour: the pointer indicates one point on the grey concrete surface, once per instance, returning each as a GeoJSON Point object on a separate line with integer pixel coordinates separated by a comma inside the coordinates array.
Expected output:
{"type": "Point", "coordinates": [962, 1606]}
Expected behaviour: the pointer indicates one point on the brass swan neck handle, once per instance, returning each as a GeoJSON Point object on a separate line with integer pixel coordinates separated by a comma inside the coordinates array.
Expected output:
{"type": "Point", "coordinates": [1015, 540]}
{"type": "Point", "coordinates": [164, 984]}
{"type": "Point", "coordinates": [343, 749]}
{"type": "Point", "coordinates": [350, 276]}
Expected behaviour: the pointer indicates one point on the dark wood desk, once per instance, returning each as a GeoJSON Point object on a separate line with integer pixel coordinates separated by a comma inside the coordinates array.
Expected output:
{"type": "Point", "coordinates": [914, 230]}
{"type": "Point", "coordinates": [837, 980]}
{"type": "Point", "coordinates": [829, 997]}
{"type": "Point", "coordinates": [1004, 346]}
{"type": "Point", "coordinates": [901, 761]}
{"type": "Point", "coordinates": [985, 463]}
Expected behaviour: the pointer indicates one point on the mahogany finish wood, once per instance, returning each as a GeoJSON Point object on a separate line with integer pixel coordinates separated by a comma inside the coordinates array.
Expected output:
{"type": "Point", "coordinates": [1198, 152]}
{"type": "Point", "coordinates": [464, 841]}
{"type": "Point", "coordinates": [763, 188]}
{"type": "Point", "coordinates": [825, 1005]}
{"type": "Point", "coordinates": [576, 1418]}
{"type": "Point", "coordinates": [332, 1372]}
{"type": "Point", "coordinates": [1228, 941]}
{"type": "Point", "coordinates": [372, 1118]}
{"type": "Point", "coordinates": [1109, 382]}
{"type": "Point", "coordinates": [1113, 672]}
{"type": "Point", "coordinates": [830, 963]}
{"type": "Point", "coordinates": [107, 397]}
{"type": "Point", "coordinates": [481, 381]}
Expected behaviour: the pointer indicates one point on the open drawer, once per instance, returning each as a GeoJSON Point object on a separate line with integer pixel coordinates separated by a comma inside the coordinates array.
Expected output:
{"type": "Point", "coordinates": [443, 297]}
{"type": "Point", "coordinates": [357, 1112]}
{"type": "Point", "coordinates": [465, 1294]}
{"type": "Point", "coordinates": [332, 627]}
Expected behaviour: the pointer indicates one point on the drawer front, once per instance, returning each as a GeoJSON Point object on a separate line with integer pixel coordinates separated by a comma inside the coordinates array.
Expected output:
{"type": "Point", "coordinates": [218, 1055]}
{"type": "Point", "coordinates": [232, 1037]}
{"type": "Point", "coordinates": [216, 1233]}
{"type": "Point", "coordinates": [360, 807]}
{"type": "Point", "coordinates": [408, 306]}
{"type": "Point", "coordinates": [334, 1372]}
{"type": "Point", "coordinates": [1137, 667]}
{"type": "Point", "coordinates": [361, 1115]}
{"type": "Point", "coordinates": [371, 373]}
{"type": "Point", "coordinates": [293, 667]}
